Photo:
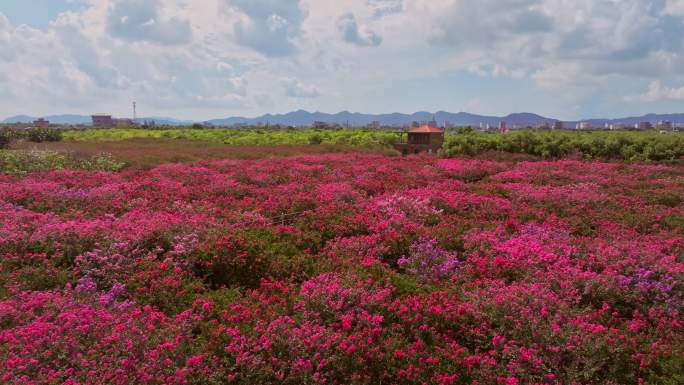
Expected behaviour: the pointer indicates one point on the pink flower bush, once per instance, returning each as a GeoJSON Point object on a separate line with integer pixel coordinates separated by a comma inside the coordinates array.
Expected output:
{"type": "Point", "coordinates": [344, 269]}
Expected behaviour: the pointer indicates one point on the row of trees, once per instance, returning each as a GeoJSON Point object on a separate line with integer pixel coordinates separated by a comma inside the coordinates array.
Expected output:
{"type": "Point", "coordinates": [633, 146]}
{"type": "Point", "coordinates": [37, 135]}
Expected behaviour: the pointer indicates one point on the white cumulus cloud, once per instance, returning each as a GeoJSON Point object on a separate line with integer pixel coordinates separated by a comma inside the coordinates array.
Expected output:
{"type": "Point", "coordinates": [656, 92]}
{"type": "Point", "coordinates": [222, 57]}
{"type": "Point", "coordinates": [297, 89]}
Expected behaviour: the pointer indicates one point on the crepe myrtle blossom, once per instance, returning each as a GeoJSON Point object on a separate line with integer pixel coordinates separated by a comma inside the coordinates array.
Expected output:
{"type": "Point", "coordinates": [344, 269]}
{"type": "Point", "coordinates": [427, 260]}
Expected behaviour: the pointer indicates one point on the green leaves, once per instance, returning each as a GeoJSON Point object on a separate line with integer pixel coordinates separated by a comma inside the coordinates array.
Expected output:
{"type": "Point", "coordinates": [632, 146]}
{"type": "Point", "coordinates": [247, 137]}
{"type": "Point", "coordinates": [16, 162]}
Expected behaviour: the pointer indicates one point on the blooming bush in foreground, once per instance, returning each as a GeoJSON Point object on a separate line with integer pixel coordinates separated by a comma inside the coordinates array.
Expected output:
{"type": "Point", "coordinates": [344, 269]}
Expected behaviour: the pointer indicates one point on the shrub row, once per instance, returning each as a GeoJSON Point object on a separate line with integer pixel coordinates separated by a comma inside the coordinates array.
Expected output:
{"type": "Point", "coordinates": [36, 134]}
{"type": "Point", "coordinates": [25, 162]}
{"type": "Point", "coordinates": [40, 135]}
{"type": "Point", "coordinates": [633, 146]}
{"type": "Point", "coordinates": [351, 137]}
{"type": "Point", "coordinates": [5, 139]}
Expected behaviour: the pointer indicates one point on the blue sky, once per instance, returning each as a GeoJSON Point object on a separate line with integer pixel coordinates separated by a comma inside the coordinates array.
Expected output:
{"type": "Point", "coordinates": [204, 59]}
{"type": "Point", "coordinates": [36, 13]}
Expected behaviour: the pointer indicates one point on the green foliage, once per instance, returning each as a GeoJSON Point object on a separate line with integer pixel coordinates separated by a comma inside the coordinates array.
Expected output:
{"type": "Point", "coordinates": [667, 370]}
{"type": "Point", "coordinates": [25, 162]}
{"type": "Point", "coordinates": [43, 277]}
{"type": "Point", "coordinates": [243, 258]}
{"type": "Point", "coordinates": [465, 130]}
{"type": "Point", "coordinates": [249, 137]}
{"type": "Point", "coordinates": [101, 162]}
{"type": "Point", "coordinates": [160, 285]}
{"type": "Point", "coordinates": [223, 297]}
{"type": "Point", "coordinates": [632, 146]}
{"type": "Point", "coordinates": [316, 139]}
{"type": "Point", "coordinates": [405, 284]}
{"type": "Point", "coordinates": [40, 135]}
{"type": "Point", "coordinates": [5, 138]}
{"type": "Point", "coordinates": [669, 199]}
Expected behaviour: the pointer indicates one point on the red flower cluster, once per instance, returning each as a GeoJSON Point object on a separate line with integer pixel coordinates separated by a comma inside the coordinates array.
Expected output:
{"type": "Point", "coordinates": [344, 269]}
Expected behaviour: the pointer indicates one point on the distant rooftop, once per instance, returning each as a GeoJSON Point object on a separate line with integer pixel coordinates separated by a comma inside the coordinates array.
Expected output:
{"type": "Point", "coordinates": [426, 130]}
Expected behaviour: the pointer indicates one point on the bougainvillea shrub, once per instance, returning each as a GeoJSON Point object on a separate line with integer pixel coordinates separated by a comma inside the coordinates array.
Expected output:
{"type": "Point", "coordinates": [344, 269]}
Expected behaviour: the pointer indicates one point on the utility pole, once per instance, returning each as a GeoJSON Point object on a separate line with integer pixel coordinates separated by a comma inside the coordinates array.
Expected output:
{"type": "Point", "coordinates": [135, 113]}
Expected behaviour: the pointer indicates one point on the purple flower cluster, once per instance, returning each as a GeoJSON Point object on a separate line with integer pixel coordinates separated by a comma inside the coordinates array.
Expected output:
{"type": "Point", "coordinates": [649, 284]}
{"type": "Point", "coordinates": [428, 260]}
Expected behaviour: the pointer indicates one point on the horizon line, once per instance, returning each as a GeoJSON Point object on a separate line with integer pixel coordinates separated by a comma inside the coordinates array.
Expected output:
{"type": "Point", "coordinates": [346, 111]}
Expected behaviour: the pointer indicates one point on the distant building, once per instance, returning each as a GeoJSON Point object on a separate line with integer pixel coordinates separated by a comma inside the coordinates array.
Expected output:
{"type": "Point", "coordinates": [558, 125]}
{"type": "Point", "coordinates": [149, 123]}
{"type": "Point", "coordinates": [124, 122]}
{"type": "Point", "coordinates": [665, 125]}
{"type": "Point", "coordinates": [503, 128]}
{"type": "Point", "coordinates": [644, 126]}
{"type": "Point", "coordinates": [103, 121]}
{"type": "Point", "coordinates": [42, 123]}
{"type": "Point", "coordinates": [584, 126]}
{"type": "Point", "coordinates": [486, 127]}
{"type": "Point", "coordinates": [433, 123]}
{"type": "Point", "coordinates": [422, 139]}
{"type": "Point", "coordinates": [320, 125]}
{"type": "Point", "coordinates": [544, 126]}
{"type": "Point", "coordinates": [373, 125]}
{"type": "Point", "coordinates": [617, 127]}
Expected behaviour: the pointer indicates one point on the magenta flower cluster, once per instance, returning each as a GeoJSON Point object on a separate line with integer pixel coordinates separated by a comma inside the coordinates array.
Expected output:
{"type": "Point", "coordinates": [344, 269]}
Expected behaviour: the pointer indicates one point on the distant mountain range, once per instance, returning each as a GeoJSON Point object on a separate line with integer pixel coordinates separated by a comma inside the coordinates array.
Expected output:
{"type": "Point", "coordinates": [651, 118]}
{"type": "Point", "coordinates": [305, 118]}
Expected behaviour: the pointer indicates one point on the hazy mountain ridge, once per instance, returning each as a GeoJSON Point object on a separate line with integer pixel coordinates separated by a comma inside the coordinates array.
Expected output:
{"type": "Point", "coordinates": [305, 118]}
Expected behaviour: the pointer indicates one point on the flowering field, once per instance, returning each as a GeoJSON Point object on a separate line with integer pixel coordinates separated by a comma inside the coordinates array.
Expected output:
{"type": "Point", "coordinates": [344, 269]}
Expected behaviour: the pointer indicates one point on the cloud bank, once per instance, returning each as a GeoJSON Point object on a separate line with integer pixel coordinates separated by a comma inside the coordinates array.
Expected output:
{"type": "Point", "coordinates": [220, 57]}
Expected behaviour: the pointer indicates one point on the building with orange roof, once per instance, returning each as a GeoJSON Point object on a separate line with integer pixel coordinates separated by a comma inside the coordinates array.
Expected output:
{"type": "Point", "coordinates": [424, 138]}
